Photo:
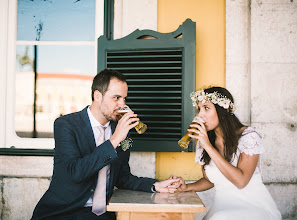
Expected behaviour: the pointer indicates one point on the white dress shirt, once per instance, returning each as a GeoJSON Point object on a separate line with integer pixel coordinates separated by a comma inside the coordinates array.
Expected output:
{"type": "Point", "coordinates": [95, 124]}
{"type": "Point", "coordinates": [96, 132]}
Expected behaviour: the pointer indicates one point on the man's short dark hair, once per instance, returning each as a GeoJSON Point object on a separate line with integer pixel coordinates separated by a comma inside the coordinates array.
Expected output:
{"type": "Point", "coordinates": [101, 80]}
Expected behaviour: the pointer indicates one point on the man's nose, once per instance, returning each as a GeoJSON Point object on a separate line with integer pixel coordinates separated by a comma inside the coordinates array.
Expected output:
{"type": "Point", "coordinates": [122, 103]}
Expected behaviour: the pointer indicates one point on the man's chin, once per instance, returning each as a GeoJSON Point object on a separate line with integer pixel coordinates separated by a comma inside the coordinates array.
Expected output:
{"type": "Point", "coordinates": [115, 118]}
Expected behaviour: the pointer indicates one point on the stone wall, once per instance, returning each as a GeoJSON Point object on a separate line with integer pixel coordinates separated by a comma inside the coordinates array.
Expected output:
{"type": "Point", "coordinates": [261, 72]}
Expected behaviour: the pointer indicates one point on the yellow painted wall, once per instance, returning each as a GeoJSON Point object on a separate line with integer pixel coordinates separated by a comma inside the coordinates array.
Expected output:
{"type": "Point", "coordinates": [209, 16]}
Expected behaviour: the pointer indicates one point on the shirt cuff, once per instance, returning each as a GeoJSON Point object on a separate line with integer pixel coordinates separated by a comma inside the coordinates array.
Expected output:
{"type": "Point", "coordinates": [153, 189]}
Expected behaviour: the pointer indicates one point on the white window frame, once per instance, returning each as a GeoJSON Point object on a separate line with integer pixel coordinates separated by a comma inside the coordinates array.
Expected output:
{"type": "Point", "coordinates": [8, 42]}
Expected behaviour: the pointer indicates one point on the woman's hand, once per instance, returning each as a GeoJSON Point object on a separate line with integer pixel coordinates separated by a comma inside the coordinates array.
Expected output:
{"type": "Point", "coordinates": [173, 187]}
{"type": "Point", "coordinates": [168, 185]}
{"type": "Point", "coordinates": [183, 186]}
{"type": "Point", "coordinates": [198, 131]}
{"type": "Point", "coordinates": [180, 185]}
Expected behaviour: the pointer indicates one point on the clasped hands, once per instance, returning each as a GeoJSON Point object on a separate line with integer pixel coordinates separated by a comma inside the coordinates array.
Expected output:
{"type": "Point", "coordinates": [170, 185]}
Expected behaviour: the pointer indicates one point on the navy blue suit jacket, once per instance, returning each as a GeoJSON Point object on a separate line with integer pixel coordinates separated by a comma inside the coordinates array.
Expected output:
{"type": "Point", "coordinates": [77, 161]}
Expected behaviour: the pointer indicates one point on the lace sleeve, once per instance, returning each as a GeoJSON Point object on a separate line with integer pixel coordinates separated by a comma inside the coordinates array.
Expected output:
{"type": "Point", "coordinates": [250, 143]}
{"type": "Point", "coordinates": [198, 156]}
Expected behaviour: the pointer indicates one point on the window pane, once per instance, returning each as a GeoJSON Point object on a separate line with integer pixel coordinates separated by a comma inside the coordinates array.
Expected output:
{"type": "Point", "coordinates": [63, 81]}
{"type": "Point", "coordinates": [56, 20]}
{"type": "Point", "coordinates": [24, 90]}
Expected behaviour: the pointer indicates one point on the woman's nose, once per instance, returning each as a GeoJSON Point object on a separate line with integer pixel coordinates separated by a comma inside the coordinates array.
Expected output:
{"type": "Point", "coordinates": [201, 115]}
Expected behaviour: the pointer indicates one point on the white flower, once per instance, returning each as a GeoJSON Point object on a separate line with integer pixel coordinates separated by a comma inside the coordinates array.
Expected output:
{"type": "Point", "coordinates": [225, 103]}
{"type": "Point", "coordinates": [215, 98]}
{"type": "Point", "coordinates": [201, 98]}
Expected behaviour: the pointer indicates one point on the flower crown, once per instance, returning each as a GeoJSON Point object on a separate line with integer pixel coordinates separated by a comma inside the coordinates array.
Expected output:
{"type": "Point", "coordinates": [215, 98]}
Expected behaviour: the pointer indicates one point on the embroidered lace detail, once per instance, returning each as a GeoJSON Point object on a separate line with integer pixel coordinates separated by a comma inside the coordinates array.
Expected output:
{"type": "Point", "coordinates": [249, 143]}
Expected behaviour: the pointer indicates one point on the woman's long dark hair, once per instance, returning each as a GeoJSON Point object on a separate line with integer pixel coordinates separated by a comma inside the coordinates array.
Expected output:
{"type": "Point", "coordinates": [229, 124]}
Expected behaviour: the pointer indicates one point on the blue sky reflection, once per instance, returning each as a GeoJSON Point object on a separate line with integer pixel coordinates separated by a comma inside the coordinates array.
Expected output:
{"type": "Point", "coordinates": [56, 20]}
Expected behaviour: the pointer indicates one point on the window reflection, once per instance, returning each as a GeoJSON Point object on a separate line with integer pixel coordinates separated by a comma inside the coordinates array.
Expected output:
{"type": "Point", "coordinates": [63, 80]}
{"type": "Point", "coordinates": [24, 90]}
{"type": "Point", "coordinates": [51, 20]}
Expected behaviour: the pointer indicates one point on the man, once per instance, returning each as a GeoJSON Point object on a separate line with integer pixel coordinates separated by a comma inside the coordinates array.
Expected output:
{"type": "Point", "coordinates": [80, 156]}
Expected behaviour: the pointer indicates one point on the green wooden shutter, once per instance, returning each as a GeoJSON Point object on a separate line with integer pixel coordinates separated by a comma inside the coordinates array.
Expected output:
{"type": "Point", "coordinates": [160, 71]}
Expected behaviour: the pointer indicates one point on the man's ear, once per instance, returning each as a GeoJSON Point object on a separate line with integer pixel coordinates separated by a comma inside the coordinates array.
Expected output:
{"type": "Point", "coordinates": [97, 96]}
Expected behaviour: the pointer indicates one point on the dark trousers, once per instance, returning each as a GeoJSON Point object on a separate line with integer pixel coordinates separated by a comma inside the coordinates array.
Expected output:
{"type": "Point", "coordinates": [84, 214]}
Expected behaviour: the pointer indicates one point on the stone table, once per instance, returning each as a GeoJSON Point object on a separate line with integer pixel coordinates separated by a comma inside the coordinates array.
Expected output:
{"type": "Point", "coordinates": [135, 205]}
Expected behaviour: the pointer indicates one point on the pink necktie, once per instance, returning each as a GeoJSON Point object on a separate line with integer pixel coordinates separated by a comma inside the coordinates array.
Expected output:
{"type": "Point", "coordinates": [99, 198]}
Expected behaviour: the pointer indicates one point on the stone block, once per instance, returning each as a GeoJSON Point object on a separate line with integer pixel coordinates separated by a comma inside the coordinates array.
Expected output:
{"type": "Point", "coordinates": [144, 16]}
{"type": "Point", "coordinates": [143, 164]}
{"type": "Point", "coordinates": [27, 166]}
{"type": "Point", "coordinates": [274, 31]}
{"type": "Point", "coordinates": [273, 93]}
{"type": "Point", "coordinates": [1, 196]}
{"type": "Point", "coordinates": [237, 82]}
{"type": "Point", "coordinates": [237, 32]}
{"type": "Point", "coordinates": [279, 162]}
{"type": "Point", "coordinates": [20, 196]}
{"type": "Point", "coordinates": [285, 197]}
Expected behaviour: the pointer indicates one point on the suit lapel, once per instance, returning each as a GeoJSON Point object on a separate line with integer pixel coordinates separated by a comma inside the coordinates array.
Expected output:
{"type": "Point", "coordinates": [113, 126]}
{"type": "Point", "coordinates": [88, 132]}
{"type": "Point", "coordinates": [112, 166]}
{"type": "Point", "coordinates": [87, 129]}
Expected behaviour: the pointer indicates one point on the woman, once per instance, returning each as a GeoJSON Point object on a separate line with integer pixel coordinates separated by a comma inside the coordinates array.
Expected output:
{"type": "Point", "coordinates": [230, 154]}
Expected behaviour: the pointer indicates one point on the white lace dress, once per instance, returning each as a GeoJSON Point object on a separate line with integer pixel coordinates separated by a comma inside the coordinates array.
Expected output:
{"type": "Point", "coordinates": [252, 202]}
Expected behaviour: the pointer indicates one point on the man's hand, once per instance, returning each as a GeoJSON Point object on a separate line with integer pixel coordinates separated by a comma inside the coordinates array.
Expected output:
{"type": "Point", "coordinates": [177, 185]}
{"type": "Point", "coordinates": [127, 122]}
{"type": "Point", "coordinates": [168, 185]}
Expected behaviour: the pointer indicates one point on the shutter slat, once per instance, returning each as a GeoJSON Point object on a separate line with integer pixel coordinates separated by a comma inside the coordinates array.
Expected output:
{"type": "Point", "coordinates": [153, 74]}
{"type": "Point", "coordinates": [144, 62]}
{"type": "Point", "coordinates": [123, 69]}
{"type": "Point", "coordinates": [149, 56]}
{"type": "Point", "coordinates": [154, 78]}
{"type": "Point", "coordinates": [161, 86]}
{"type": "Point", "coordinates": [143, 52]}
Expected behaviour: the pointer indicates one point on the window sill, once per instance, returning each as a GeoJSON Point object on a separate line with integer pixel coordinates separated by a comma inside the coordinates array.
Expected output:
{"type": "Point", "coordinates": [26, 152]}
